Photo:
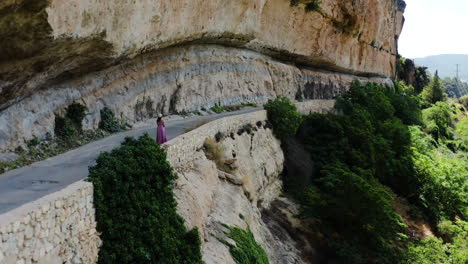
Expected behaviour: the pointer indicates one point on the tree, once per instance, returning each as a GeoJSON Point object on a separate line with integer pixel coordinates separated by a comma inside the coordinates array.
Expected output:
{"type": "Point", "coordinates": [434, 92]}
{"type": "Point", "coordinates": [284, 116]}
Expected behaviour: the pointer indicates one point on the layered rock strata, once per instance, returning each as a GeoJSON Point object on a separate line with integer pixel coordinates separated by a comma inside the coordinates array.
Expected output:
{"type": "Point", "coordinates": [173, 80]}
{"type": "Point", "coordinates": [115, 53]}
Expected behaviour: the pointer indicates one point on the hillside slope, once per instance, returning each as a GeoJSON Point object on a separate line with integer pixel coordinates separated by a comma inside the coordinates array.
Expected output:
{"type": "Point", "coordinates": [446, 64]}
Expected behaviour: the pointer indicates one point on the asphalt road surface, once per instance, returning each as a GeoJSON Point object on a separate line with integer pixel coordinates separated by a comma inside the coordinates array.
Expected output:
{"type": "Point", "coordinates": [27, 184]}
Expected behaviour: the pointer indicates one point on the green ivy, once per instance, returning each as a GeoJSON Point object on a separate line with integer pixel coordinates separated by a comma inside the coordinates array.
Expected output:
{"type": "Point", "coordinates": [136, 210]}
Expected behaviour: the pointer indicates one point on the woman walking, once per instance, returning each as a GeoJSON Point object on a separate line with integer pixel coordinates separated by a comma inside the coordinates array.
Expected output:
{"type": "Point", "coordinates": [161, 131]}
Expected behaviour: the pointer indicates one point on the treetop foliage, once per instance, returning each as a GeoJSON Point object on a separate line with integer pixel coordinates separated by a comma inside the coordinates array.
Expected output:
{"type": "Point", "coordinates": [434, 92]}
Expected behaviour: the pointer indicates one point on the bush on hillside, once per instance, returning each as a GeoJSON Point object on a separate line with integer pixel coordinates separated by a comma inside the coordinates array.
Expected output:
{"type": "Point", "coordinates": [375, 132]}
{"type": "Point", "coordinates": [361, 156]}
{"type": "Point", "coordinates": [108, 121]}
{"type": "Point", "coordinates": [438, 120]}
{"type": "Point", "coordinates": [444, 189]}
{"type": "Point", "coordinates": [136, 210]}
{"type": "Point", "coordinates": [352, 203]}
{"type": "Point", "coordinates": [464, 101]}
{"type": "Point", "coordinates": [76, 112]}
{"type": "Point", "coordinates": [69, 126]}
{"type": "Point", "coordinates": [434, 250]}
{"type": "Point", "coordinates": [284, 116]}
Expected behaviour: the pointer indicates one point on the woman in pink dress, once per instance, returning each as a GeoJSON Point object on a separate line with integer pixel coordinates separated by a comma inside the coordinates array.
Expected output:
{"type": "Point", "coordinates": [161, 131]}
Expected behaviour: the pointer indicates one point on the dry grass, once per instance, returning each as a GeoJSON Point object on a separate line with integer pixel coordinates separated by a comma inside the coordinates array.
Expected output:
{"type": "Point", "coordinates": [215, 152]}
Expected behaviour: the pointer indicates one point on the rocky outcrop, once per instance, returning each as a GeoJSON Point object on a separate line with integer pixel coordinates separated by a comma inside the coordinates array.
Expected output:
{"type": "Point", "coordinates": [168, 81]}
{"type": "Point", "coordinates": [247, 197]}
{"type": "Point", "coordinates": [145, 57]}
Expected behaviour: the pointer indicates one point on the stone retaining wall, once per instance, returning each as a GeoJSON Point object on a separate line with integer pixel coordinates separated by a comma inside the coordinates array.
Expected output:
{"type": "Point", "coordinates": [57, 228]}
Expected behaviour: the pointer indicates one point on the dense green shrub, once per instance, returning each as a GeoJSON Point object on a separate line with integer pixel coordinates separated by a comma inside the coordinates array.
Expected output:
{"type": "Point", "coordinates": [69, 126]}
{"type": "Point", "coordinates": [443, 174]}
{"type": "Point", "coordinates": [434, 92]}
{"type": "Point", "coordinates": [461, 134]}
{"type": "Point", "coordinates": [245, 250]}
{"type": "Point", "coordinates": [218, 109]}
{"type": "Point", "coordinates": [108, 121]}
{"type": "Point", "coordinates": [65, 128]}
{"type": "Point", "coordinates": [136, 210]}
{"type": "Point", "coordinates": [376, 136]}
{"type": "Point", "coordinates": [406, 104]}
{"type": "Point", "coordinates": [464, 101]}
{"type": "Point", "coordinates": [434, 250]}
{"type": "Point", "coordinates": [284, 116]}
{"type": "Point", "coordinates": [355, 152]}
{"type": "Point", "coordinates": [438, 120]}
{"type": "Point", "coordinates": [356, 206]}
{"type": "Point", "coordinates": [76, 112]}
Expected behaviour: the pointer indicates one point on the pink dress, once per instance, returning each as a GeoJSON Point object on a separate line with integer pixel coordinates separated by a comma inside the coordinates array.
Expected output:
{"type": "Point", "coordinates": [161, 133]}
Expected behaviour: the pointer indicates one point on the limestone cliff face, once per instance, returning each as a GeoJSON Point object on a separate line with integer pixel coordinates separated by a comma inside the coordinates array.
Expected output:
{"type": "Point", "coordinates": [248, 197]}
{"type": "Point", "coordinates": [164, 56]}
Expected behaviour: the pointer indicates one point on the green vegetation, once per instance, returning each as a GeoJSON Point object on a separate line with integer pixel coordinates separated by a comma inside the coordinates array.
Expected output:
{"type": "Point", "coordinates": [108, 121]}
{"type": "Point", "coordinates": [230, 108]}
{"type": "Point", "coordinates": [69, 134]}
{"type": "Point", "coordinates": [378, 147]}
{"type": "Point", "coordinates": [245, 250]}
{"type": "Point", "coordinates": [443, 176]}
{"type": "Point", "coordinates": [455, 88]}
{"type": "Point", "coordinates": [433, 93]}
{"type": "Point", "coordinates": [464, 101]}
{"type": "Point", "coordinates": [136, 210]}
{"type": "Point", "coordinates": [218, 109]}
{"type": "Point", "coordinates": [411, 74]}
{"type": "Point", "coordinates": [434, 250]}
{"type": "Point", "coordinates": [284, 116]}
{"type": "Point", "coordinates": [438, 120]}
{"type": "Point", "coordinates": [70, 126]}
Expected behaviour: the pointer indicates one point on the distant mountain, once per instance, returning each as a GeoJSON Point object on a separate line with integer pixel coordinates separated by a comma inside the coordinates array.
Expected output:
{"type": "Point", "coordinates": [446, 64]}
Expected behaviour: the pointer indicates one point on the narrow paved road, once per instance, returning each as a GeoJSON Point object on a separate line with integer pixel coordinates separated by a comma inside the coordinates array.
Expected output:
{"type": "Point", "coordinates": [23, 185]}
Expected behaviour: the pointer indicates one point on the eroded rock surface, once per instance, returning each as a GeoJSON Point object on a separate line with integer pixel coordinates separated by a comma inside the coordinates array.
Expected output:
{"type": "Point", "coordinates": [208, 199]}
{"type": "Point", "coordinates": [141, 58]}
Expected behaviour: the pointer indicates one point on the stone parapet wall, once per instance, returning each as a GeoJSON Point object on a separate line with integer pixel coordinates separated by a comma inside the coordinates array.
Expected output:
{"type": "Point", "coordinates": [57, 228]}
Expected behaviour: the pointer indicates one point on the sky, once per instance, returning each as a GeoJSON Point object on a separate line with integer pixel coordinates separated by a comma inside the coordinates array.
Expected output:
{"type": "Point", "coordinates": [434, 27]}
